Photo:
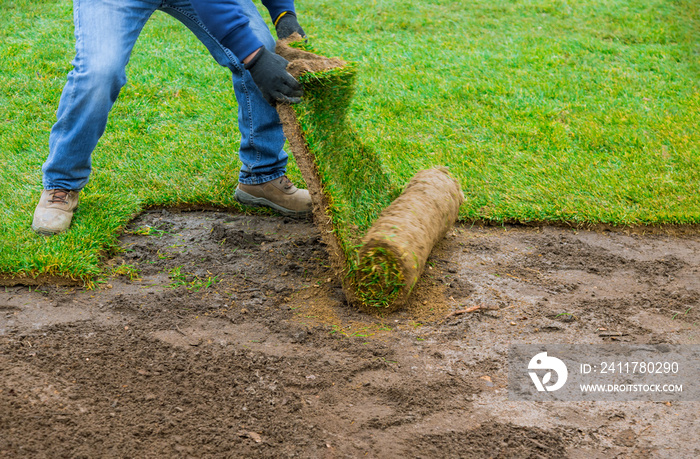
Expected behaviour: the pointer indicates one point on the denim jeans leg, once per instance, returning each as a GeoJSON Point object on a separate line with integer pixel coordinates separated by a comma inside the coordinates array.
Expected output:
{"type": "Point", "coordinates": [105, 33]}
{"type": "Point", "coordinates": [262, 136]}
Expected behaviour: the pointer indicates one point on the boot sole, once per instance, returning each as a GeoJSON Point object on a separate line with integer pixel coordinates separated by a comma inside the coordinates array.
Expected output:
{"type": "Point", "coordinates": [43, 231]}
{"type": "Point", "coordinates": [252, 201]}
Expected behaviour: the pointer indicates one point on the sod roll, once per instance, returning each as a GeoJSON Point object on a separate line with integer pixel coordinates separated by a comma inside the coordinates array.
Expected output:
{"type": "Point", "coordinates": [380, 276]}
{"type": "Point", "coordinates": [396, 248]}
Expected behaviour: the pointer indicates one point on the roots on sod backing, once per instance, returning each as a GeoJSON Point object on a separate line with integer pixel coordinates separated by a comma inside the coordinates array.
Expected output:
{"type": "Point", "coordinates": [349, 189]}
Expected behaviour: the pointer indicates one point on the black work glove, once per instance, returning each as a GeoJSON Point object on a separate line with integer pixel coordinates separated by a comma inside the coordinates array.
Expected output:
{"type": "Point", "coordinates": [287, 25]}
{"type": "Point", "coordinates": [269, 72]}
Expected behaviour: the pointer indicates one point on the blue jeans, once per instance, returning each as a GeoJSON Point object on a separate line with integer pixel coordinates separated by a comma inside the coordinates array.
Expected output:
{"type": "Point", "coordinates": [105, 34]}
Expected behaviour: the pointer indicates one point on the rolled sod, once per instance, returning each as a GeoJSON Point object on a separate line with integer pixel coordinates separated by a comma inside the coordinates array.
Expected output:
{"type": "Point", "coordinates": [397, 246]}
{"type": "Point", "coordinates": [378, 271]}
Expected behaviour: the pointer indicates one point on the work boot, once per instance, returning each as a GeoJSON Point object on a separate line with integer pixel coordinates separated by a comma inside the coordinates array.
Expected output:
{"type": "Point", "coordinates": [54, 211]}
{"type": "Point", "coordinates": [279, 194]}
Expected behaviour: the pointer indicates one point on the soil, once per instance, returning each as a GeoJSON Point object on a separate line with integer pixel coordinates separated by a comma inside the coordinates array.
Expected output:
{"type": "Point", "coordinates": [224, 335]}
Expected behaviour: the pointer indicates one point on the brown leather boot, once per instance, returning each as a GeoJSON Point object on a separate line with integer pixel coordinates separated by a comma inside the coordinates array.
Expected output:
{"type": "Point", "coordinates": [279, 194]}
{"type": "Point", "coordinates": [54, 212]}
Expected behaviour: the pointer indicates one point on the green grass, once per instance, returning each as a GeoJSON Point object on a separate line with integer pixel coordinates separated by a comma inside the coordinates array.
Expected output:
{"type": "Point", "coordinates": [584, 111]}
{"type": "Point", "coordinates": [545, 110]}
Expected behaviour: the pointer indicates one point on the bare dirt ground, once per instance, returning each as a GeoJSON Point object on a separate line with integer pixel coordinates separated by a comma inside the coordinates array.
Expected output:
{"type": "Point", "coordinates": [235, 341]}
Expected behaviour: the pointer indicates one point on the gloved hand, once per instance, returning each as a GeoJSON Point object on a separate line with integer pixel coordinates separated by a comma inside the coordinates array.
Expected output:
{"type": "Point", "coordinates": [269, 72]}
{"type": "Point", "coordinates": [287, 24]}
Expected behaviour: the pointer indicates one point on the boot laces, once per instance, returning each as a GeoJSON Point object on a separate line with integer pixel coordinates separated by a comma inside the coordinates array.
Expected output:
{"type": "Point", "coordinates": [59, 196]}
{"type": "Point", "coordinates": [285, 182]}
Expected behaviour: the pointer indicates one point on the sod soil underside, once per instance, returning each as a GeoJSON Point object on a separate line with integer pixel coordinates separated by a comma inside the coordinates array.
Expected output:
{"type": "Point", "coordinates": [270, 362]}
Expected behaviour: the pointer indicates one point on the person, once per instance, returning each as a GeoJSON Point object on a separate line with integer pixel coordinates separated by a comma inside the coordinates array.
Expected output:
{"type": "Point", "coordinates": [237, 38]}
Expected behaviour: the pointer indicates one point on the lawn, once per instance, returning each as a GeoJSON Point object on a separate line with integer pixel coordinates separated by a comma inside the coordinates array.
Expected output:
{"type": "Point", "coordinates": [582, 112]}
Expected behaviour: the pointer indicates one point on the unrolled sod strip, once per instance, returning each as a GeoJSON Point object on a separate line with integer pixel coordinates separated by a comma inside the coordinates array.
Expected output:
{"type": "Point", "coordinates": [396, 248]}
{"type": "Point", "coordinates": [301, 62]}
